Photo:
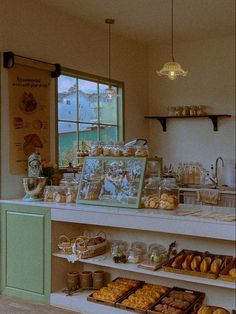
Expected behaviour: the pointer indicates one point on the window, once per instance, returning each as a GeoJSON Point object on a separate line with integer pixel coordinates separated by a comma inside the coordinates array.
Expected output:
{"type": "Point", "coordinates": [85, 115]}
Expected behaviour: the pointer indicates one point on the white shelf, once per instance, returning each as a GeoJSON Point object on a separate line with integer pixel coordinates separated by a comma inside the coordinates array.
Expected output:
{"type": "Point", "coordinates": [106, 261]}
{"type": "Point", "coordinates": [78, 303]}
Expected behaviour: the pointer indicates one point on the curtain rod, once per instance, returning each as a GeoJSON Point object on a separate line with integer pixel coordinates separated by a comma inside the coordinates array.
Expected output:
{"type": "Point", "coordinates": [10, 59]}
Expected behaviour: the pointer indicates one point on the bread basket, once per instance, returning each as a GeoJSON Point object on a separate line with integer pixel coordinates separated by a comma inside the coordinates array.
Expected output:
{"type": "Point", "coordinates": [91, 247]}
{"type": "Point", "coordinates": [64, 245]}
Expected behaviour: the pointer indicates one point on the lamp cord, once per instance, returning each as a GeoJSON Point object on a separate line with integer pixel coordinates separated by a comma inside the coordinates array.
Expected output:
{"type": "Point", "coordinates": [109, 55]}
{"type": "Point", "coordinates": [172, 30]}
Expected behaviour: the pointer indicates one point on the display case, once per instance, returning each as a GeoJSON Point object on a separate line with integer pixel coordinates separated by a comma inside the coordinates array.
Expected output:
{"type": "Point", "coordinates": [112, 181]}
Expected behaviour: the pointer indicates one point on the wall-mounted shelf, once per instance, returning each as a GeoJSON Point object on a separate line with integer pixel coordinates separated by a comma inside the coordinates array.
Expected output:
{"type": "Point", "coordinates": [212, 117]}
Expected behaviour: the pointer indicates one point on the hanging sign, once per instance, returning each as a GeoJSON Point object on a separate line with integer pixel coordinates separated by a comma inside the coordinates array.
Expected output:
{"type": "Point", "coordinates": [29, 114]}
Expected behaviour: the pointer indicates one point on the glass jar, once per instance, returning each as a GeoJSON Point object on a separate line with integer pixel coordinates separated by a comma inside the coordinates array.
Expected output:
{"type": "Point", "coordinates": [141, 151]}
{"type": "Point", "coordinates": [117, 150]}
{"type": "Point", "coordinates": [48, 193]}
{"type": "Point", "coordinates": [128, 150]}
{"type": "Point", "coordinates": [140, 246]}
{"type": "Point", "coordinates": [157, 253]}
{"type": "Point", "coordinates": [134, 256]}
{"type": "Point", "coordinates": [169, 193]}
{"type": "Point", "coordinates": [71, 194]}
{"type": "Point", "coordinates": [107, 149]}
{"type": "Point", "coordinates": [59, 194]}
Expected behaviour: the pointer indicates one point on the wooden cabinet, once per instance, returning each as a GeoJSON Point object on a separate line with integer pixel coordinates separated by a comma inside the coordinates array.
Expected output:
{"type": "Point", "coordinates": [25, 251]}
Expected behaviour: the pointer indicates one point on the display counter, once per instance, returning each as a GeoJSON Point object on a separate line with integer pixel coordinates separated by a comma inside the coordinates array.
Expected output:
{"type": "Point", "coordinates": [188, 225]}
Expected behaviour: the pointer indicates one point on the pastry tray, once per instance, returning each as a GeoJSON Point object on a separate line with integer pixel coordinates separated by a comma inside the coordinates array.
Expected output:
{"type": "Point", "coordinates": [138, 310]}
{"type": "Point", "coordinates": [224, 274]}
{"type": "Point", "coordinates": [179, 270]}
{"type": "Point", "coordinates": [199, 300]}
{"type": "Point", "coordinates": [124, 296]}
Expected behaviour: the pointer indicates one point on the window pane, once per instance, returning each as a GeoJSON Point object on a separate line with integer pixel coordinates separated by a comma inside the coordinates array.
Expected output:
{"type": "Point", "coordinates": [67, 98]}
{"type": "Point", "coordinates": [88, 101]}
{"type": "Point", "coordinates": [88, 133]}
{"type": "Point", "coordinates": [67, 142]}
{"type": "Point", "coordinates": [107, 107]}
{"type": "Point", "coordinates": [108, 133]}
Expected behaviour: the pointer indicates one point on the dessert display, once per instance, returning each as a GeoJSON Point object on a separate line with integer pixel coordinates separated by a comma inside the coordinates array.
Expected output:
{"type": "Point", "coordinates": [206, 309]}
{"type": "Point", "coordinates": [168, 193]}
{"type": "Point", "coordinates": [178, 301]}
{"type": "Point", "coordinates": [114, 290]}
{"type": "Point", "coordinates": [144, 298]}
{"type": "Point", "coordinates": [198, 264]}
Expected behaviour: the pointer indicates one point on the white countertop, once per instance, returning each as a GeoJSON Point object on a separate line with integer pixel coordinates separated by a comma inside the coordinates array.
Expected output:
{"type": "Point", "coordinates": [143, 219]}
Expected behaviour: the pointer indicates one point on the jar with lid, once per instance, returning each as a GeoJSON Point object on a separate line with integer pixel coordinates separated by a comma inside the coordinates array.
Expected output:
{"type": "Point", "coordinates": [71, 194]}
{"type": "Point", "coordinates": [59, 194]}
{"type": "Point", "coordinates": [169, 193]}
{"type": "Point", "coordinates": [128, 150]}
{"type": "Point", "coordinates": [48, 193]}
{"type": "Point", "coordinates": [117, 149]}
{"type": "Point", "coordinates": [134, 256]}
{"type": "Point", "coordinates": [157, 253]}
{"type": "Point", "coordinates": [141, 151]}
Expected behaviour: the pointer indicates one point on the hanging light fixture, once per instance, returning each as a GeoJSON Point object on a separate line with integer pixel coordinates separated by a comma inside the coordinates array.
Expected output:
{"type": "Point", "coordinates": [172, 69]}
{"type": "Point", "coordinates": [110, 91]}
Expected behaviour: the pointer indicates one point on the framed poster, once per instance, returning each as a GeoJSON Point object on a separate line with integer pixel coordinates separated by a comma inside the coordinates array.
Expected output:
{"type": "Point", "coordinates": [29, 115]}
{"type": "Point", "coordinates": [112, 181]}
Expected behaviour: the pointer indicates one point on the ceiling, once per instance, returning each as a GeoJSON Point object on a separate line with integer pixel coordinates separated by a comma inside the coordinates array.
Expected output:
{"type": "Point", "coordinates": [148, 21]}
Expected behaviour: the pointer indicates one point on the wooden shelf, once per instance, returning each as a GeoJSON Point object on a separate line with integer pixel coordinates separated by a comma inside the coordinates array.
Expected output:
{"type": "Point", "coordinates": [78, 303]}
{"type": "Point", "coordinates": [106, 261]}
{"type": "Point", "coordinates": [212, 117]}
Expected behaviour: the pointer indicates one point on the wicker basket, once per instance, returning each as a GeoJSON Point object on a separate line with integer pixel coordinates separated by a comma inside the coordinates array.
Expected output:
{"type": "Point", "coordinates": [83, 250]}
{"type": "Point", "coordinates": [64, 245]}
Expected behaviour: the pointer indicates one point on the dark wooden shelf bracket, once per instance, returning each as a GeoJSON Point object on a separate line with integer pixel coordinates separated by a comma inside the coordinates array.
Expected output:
{"type": "Point", "coordinates": [213, 118]}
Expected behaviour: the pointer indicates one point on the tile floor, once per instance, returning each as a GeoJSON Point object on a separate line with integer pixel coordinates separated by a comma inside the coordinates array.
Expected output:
{"type": "Point", "coordinates": [9, 305]}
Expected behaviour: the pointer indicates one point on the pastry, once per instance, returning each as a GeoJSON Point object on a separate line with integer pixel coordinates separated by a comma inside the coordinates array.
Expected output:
{"type": "Point", "coordinates": [187, 262]}
{"type": "Point", "coordinates": [205, 264]}
{"type": "Point", "coordinates": [232, 273]}
{"type": "Point", "coordinates": [178, 261]}
{"type": "Point", "coordinates": [196, 262]}
{"type": "Point", "coordinates": [215, 265]}
{"type": "Point", "coordinates": [144, 297]}
{"type": "Point", "coordinates": [205, 310]}
{"type": "Point", "coordinates": [220, 311]}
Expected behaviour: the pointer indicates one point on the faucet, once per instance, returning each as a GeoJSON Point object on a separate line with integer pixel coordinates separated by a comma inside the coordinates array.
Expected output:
{"type": "Point", "coordinates": [215, 178]}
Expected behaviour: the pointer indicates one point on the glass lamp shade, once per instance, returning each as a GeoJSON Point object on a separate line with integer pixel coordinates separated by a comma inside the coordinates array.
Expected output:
{"type": "Point", "coordinates": [172, 70]}
{"type": "Point", "coordinates": [110, 92]}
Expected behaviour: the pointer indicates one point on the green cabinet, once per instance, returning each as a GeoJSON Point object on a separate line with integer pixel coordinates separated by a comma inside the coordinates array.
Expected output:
{"type": "Point", "coordinates": [26, 251]}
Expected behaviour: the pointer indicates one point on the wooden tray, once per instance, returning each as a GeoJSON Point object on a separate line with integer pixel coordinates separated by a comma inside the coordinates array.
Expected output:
{"type": "Point", "coordinates": [111, 303]}
{"type": "Point", "coordinates": [199, 300]}
{"type": "Point", "coordinates": [179, 270]}
{"type": "Point", "coordinates": [136, 310]}
{"type": "Point", "coordinates": [213, 308]}
{"type": "Point", "coordinates": [224, 274]}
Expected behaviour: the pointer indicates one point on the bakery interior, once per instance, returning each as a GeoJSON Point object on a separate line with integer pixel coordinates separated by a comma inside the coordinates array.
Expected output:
{"type": "Point", "coordinates": [168, 248]}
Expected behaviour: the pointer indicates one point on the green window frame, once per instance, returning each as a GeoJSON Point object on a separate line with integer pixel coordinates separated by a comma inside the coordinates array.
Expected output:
{"type": "Point", "coordinates": [85, 115]}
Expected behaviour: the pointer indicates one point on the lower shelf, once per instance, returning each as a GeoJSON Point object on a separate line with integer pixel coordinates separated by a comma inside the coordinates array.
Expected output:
{"type": "Point", "coordinates": [78, 303]}
{"type": "Point", "coordinates": [106, 261]}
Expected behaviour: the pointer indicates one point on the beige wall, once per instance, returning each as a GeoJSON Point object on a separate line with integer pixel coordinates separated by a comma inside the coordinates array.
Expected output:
{"type": "Point", "coordinates": [210, 82]}
{"type": "Point", "coordinates": [32, 30]}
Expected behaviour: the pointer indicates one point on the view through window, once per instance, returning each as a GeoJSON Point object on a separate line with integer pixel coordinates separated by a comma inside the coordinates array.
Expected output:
{"type": "Point", "coordinates": [86, 115]}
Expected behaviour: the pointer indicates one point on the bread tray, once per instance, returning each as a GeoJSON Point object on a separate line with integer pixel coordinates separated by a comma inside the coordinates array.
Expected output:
{"type": "Point", "coordinates": [224, 274]}
{"type": "Point", "coordinates": [213, 308]}
{"type": "Point", "coordinates": [199, 300]}
{"type": "Point", "coordinates": [197, 273]}
{"type": "Point", "coordinates": [113, 303]}
{"type": "Point", "coordinates": [138, 310]}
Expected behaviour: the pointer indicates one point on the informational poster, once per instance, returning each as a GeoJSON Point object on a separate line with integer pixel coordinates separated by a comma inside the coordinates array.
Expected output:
{"type": "Point", "coordinates": [29, 114]}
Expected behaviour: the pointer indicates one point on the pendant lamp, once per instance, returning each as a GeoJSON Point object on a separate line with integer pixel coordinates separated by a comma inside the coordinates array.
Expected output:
{"type": "Point", "coordinates": [110, 91]}
{"type": "Point", "coordinates": [172, 69]}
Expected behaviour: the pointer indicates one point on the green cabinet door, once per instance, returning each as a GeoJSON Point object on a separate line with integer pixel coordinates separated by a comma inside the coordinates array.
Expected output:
{"type": "Point", "coordinates": [26, 251]}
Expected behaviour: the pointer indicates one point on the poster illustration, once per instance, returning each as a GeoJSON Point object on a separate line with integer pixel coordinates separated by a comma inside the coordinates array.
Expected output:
{"type": "Point", "coordinates": [29, 114]}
